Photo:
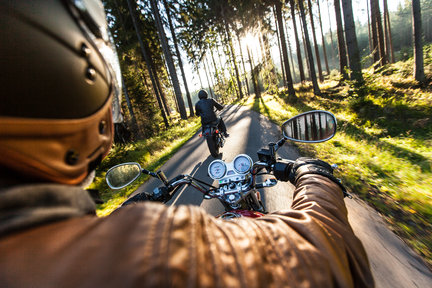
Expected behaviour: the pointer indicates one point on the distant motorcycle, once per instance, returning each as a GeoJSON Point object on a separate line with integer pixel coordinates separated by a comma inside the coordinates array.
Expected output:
{"type": "Point", "coordinates": [237, 187]}
{"type": "Point", "coordinates": [214, 137]}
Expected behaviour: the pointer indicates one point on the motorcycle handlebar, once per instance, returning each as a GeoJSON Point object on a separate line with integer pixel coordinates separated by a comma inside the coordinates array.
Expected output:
{"type": "Point", "coordinates": [145, 171]}
{"type": "Point", "coordinates": [280, 170]}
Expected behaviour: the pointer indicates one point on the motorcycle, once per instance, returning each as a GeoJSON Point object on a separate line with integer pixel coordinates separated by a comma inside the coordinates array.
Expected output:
{"type": "Point", "coordinates": [214, 137]}
{"type": "Point", "coordinates": [237, 187]}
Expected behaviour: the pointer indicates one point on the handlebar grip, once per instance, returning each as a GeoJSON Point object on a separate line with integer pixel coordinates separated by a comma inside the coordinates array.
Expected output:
{"type": "Point", "coordinates": [140, 197]}
{"type": "Point", "coordinates": [179, 177]}
{"type": "Point", "coordinates": [282, 169]}
{"type": "Point", "coordinates": [145, 171]}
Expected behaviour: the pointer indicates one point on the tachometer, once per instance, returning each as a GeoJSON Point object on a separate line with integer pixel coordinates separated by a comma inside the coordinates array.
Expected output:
{"type": "Point", "coordinates": [217, 169]}
{"type": "Point", "coordinates": [242, 163]}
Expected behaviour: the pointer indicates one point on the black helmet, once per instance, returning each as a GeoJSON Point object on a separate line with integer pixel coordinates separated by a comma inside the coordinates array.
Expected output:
{"type": "Point", "coordinates": [60, 74]}
{"type": "Point", "coordinates": [202, 94]}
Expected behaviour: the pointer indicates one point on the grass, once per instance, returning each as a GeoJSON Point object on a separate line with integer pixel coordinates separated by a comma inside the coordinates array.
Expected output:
{"type": "Point", "coordinates": [150, 154]}
{"type": "Point", "coordinates": [383, 146]}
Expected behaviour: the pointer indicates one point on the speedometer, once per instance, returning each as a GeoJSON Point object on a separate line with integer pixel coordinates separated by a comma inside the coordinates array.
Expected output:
{"type": "Point", "coordinates": [217, 169]}
{"type": "Point", "coordinates": [242, 163]}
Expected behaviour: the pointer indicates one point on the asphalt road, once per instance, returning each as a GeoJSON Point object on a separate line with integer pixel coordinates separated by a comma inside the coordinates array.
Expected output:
{"type": "Point", "coordinates": [393, 263]}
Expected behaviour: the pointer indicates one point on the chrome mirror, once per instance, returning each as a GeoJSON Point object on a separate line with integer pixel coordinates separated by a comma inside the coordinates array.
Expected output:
{"type": "Point", "coordinates": [310, 127]}
{"type": "Point", "coordinates": [122, 175]}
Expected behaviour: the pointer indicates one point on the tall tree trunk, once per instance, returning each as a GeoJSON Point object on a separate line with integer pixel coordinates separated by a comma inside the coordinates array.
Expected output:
{"type": "Point", "coordinates": [219, 81]}
{"type": "Point", "coordinates": [318, 58]}
{"type": "Point", "coordinates": [280, 48]}
{"type": "Point", "coordinates": [290, 55]}
{"type": "Point", "coordinates": [343, 61]}
{"type": "Point", "coordinates": [146, 59]}
{"type": "Point", "coordinates": [351, 38]}
{"type": "Point", "coordinates": [375, 43]}
{"type": "Point", "coordinates": [386, 40]}
{"type": "Point", "coordinates": [330, 29]}
{"type": "Point", "coordinates": [419, 74]}
{"type": "Point", "coordinates": [171, 90]}
{"type": "Point", "coordinates": [230, 44]}
{"type": "Point", "coordinates": [213, 76]}
{"type": "Point", "coordinates": [180, 62]}
{"type": "Point", "coordinates": [369, 26]}
{"type": "Point", "coordinates": [223, 78]}
{"type": "Point", "coordinates": [322, 38]}
{"type": "Point", "coordinates": [263, 38]}
{"type": "Point", "coordinates": [379, 34]}
{"type": "Point", "coordinates": [254, 79]}
{"type": "Point", "coordinates": [305, 52]}
{"type": "Point", "coordinates": [211, 83]}
{"type": "Point", "coordinates": [291, 90]}
{"type": "Point", "coordinates": [298, 49]}
{"type": "Point", "coordinates": [243, 64]}
{"type": "Point", "coordinates": [309, 51]}
{"type": "Point", "coordinates": [197, 70]}
{"type": "Point", "coordinates": [169, 60]}
{"type": "Point", "coordinates": [160, 96]}
{"type": "Point", "coordinates": [161, 92]}
{"type": "Point", "coordinates": [388, 34]}
{"type": "Point", "coordinates": [261, 46]}
{"type": "Point", "coordinates": [229, 62]}
{"type": "Point", "coordinates": [265, 41]}
{"type": "Point", "coordinates": [129, 105]}
{"type": "Point", "coordinates": [208, 80]}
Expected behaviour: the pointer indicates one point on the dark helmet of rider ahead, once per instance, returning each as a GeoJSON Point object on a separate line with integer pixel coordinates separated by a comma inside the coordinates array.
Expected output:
{"type": "Point", "coordinates": [202, 94]}
{"type": "Point", "coordinates": [62, 74]}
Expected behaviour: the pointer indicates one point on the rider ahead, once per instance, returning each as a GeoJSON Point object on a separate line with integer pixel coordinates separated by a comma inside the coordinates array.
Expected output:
{"type": "Point", "coordinates": [205, 108]}
{"type": "Point", "coordinates": [58, 83]}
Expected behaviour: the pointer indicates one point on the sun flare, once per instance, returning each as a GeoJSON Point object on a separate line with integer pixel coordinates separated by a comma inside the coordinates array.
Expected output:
{"type": "Point", "coordinates": [250, 41]}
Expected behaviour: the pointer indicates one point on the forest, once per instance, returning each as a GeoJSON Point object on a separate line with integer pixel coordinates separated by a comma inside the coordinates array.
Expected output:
{"type": "Point", "coordinates": [369, 62]}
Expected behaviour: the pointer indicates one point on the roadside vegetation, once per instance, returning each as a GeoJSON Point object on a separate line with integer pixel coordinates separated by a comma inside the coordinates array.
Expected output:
{"type": "Point", "coordinates": [384, 142]}
{"type": "Point", "coordinates": [151, 154]}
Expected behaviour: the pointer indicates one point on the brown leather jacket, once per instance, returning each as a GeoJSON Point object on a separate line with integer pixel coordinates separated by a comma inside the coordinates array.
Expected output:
{"type": "Point", "coordinates": [151, 245]}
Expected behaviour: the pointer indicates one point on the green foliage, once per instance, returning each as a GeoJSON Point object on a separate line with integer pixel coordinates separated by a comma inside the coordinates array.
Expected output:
{"type": "Point", "coordinates": [383, 146]}
{"type": "Point", "coordinates": [134, 69]}
{"type": "Point", "coordinates": [142, 100]}
{"type": "Point", "coordinates": [151, 153]}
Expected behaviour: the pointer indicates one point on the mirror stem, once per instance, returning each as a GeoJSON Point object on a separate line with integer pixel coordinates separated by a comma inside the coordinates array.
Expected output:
{"type": "Point", "coordinates": [279, 144]}
{"type": "Point", "coordinates": [145, 171]}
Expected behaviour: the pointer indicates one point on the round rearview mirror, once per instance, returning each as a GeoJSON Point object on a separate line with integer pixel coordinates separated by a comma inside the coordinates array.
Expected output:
{"type": "Point", "coordinates": [310, 127]}
{"type": "Point", "coordinates": [122, 175]}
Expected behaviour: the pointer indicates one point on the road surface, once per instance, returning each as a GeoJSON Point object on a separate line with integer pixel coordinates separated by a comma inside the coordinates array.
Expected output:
{"type": "Point", "coordinates": [393, 263]}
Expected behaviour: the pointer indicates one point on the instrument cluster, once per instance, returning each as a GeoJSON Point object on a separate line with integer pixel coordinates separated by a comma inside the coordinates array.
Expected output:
{"type": "Point", "coordinates": [234, 171]}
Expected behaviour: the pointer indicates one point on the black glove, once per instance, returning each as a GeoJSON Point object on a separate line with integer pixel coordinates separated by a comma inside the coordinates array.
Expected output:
{"type": "Point", "coordinates": [304, 166]}
{"type": "Point", "coordinates": [140, 197]}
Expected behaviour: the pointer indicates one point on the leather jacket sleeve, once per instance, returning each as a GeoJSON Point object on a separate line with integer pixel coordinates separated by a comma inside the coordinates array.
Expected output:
{"type": "Point", "coordinates": [197, 109]}
{"type": "Point", "coordinates": [217, 105]}
{"type": "Point", "coordinates": [310, 245]}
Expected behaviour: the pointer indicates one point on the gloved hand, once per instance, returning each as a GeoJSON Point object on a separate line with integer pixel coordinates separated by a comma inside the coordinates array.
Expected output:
{"type": "Point", "coordinates": [305, 165]}
{"type": "Point", "coordinates": [140, 197]}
